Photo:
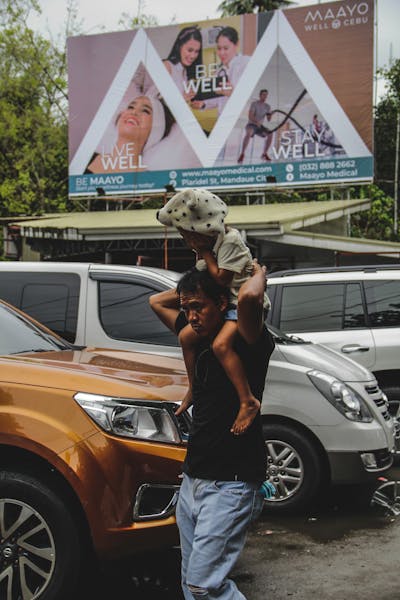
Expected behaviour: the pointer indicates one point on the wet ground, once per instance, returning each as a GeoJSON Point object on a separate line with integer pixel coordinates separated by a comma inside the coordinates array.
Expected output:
{"type": "Point", "coordinates": [343, 548]}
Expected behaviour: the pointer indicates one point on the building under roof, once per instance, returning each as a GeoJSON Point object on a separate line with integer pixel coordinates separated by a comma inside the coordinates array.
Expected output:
{"type": "Point", "coordinates": [281, 235]}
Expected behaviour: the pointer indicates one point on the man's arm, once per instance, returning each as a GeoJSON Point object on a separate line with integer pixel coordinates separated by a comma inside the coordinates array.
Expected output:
{"type": "Point", "coordinates": [251, 305]}
{"type": "Point", "coordinates": [202, 244]}
{"type": "Point", "coordinates": [166, 306]}
{"type": "Point", "coordinates": [221, 276]}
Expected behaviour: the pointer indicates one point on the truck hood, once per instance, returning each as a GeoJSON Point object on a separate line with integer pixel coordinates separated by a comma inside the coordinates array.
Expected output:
{"type": "Point", "coordinates": [97, 370]}
{"type": "Point", "coordinates": [322, 358]}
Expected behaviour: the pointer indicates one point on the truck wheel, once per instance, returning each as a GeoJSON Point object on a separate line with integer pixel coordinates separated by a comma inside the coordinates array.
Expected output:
{"type": "Point", "coordinates": [293, 467]}
{"type": "Point", "coordinates": [39, 543]}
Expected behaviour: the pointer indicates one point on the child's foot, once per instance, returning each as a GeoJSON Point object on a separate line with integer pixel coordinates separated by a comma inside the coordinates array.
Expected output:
{"type": "Point", "coordinates": [246, 415]}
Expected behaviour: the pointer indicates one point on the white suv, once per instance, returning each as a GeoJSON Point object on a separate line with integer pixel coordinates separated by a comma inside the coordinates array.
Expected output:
{"type": "Point", "coordinates": [354, 310]}
{"type": "Point", "coordinates": [324, 417]}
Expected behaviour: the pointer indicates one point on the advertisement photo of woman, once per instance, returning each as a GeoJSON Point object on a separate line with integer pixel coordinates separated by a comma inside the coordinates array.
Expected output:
{"type": "Point", "coordinates": [232, 64]}
{"type": "Point", "coordinates": [181, 62]}
{"type": "Point", "coordinates": [140, 126]}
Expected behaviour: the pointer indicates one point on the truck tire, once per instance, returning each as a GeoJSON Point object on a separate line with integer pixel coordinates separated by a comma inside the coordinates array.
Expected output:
{"type": "Point", "coordinates": [294, 467]}
{"type": "Point", "coordinates": [39, 542]}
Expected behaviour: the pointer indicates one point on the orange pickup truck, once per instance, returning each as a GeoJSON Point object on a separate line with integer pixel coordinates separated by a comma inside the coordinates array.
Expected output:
{"type": "Point", "coordinates": [90, 455]}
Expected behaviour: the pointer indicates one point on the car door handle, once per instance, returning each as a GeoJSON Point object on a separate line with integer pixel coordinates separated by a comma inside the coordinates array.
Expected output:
{"type": "Point", "coordinates": [349, 348]}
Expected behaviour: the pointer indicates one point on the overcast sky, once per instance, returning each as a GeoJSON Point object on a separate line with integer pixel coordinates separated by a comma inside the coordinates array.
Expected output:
{"type": "Point", "coordinates": [106, 13]}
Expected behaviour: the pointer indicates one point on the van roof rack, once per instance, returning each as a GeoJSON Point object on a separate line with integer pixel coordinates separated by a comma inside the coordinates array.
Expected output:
{"type": "Point", "coordinates": [363, 268]}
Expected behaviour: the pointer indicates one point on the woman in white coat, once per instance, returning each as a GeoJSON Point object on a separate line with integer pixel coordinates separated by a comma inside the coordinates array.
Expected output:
{"type": "Point", "coordinates": [231, 67]}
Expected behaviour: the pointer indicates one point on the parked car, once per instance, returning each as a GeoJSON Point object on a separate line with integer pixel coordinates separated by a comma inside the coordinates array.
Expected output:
{"type": "Point", "coordinates": [354, 310]}
{"type": "Point", "coordinates": [90, 456]}
{"type": "Point", "coordinates": [325, 418]}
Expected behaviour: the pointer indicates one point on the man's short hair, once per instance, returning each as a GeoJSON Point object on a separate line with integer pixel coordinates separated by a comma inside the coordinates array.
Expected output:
{"type": "Point", "coordinates": [263, 91]}
{"type": "Point", "coordinates": [194, 281]}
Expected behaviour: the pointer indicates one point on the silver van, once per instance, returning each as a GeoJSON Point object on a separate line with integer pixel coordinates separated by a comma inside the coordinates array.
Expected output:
{"type": "Point", "coordinates": [325, 419]}
{"type": "Point", "coordinates": [354, 310]}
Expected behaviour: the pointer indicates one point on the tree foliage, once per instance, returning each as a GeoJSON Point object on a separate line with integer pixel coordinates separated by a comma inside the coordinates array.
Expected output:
{"type": "Point", "coordinates": [385, 128]}
{"type": "Point", "coordinates": [128, 21]}
{"type": "Point", "coordinates": [242, 7]}
{"type": "Point", "coordinates": [33, 122]}
{"type": "Point", "coordinates": [392, 78]}
{"type": "Point", "coordinates": [377, 222]}
{"type": "Point", "coordinates": [33, 109]}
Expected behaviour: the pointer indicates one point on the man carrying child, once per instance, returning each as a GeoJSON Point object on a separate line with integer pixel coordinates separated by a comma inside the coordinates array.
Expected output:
{"type": "Point", "coordinates": [223, 472]}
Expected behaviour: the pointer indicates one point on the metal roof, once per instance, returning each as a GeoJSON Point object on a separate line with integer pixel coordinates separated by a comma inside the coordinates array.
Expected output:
{"type": "Point", "coordinates": [341, 243]}
{"type": "Point", "coordinates": [261, 219]}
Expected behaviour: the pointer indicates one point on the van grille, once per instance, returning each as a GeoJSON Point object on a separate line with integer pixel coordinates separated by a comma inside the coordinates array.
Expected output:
{"type": "Point", "coordinates": [376, 395]}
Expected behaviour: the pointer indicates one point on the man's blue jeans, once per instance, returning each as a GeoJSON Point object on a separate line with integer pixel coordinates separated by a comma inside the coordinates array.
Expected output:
{"type": "Point", "coordinates": [213, 518]}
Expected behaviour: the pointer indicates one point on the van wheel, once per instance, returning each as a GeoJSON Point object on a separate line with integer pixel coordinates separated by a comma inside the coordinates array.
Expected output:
{"type": "Point", "coordinates": [293, 467]}
{"type": "Point", "coordinates": [39, 543]}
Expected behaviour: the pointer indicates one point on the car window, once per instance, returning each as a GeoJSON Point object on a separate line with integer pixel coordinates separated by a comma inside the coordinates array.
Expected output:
{"type": "Point", "coordinates": [312, 307]}
{"type": "Point", "coordinates": [354, 315]}
{"type": "Point", "coordinates": [47, 304]}
{"type": "Point", "coordinates": [19, 335]}
{"type": "Point", "coordinates": [51, 298]}
{"type": "Point", "coordinates": [322, 307]}
{"type": "Point", "coordinates": [125, 314]}
{"type": "Point", "coordinates": [383, 302]}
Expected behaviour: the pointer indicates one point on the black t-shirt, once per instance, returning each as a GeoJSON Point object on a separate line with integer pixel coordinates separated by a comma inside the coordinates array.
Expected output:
{"type": "Point", "coordinates": [213, 451]}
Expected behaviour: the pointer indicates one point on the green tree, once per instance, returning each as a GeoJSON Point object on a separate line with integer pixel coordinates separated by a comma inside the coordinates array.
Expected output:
{"type": "Point", "coordinates": [377, 222]}
{"type": "Point", "coordinates": [33, 114]}
{"type": "Point", "coordinates": [386, 115]}
{"type": "Point", "coordinates": [241, 7]}
{"type": "Point", "coordinates": [128, 21]}
{"type": "Point", "coordinates": [385, 144]}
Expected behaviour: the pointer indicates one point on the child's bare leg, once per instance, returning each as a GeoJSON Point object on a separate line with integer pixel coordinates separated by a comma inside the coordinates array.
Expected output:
{"type": "Point", "coordinates": [233, 366]}
{"type": "Point", "coordinates": [188, 340]}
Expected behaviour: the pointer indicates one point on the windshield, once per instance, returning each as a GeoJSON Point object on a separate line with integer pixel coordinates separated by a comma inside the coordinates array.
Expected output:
{"type": "Point", "coordinates": [20, 335]}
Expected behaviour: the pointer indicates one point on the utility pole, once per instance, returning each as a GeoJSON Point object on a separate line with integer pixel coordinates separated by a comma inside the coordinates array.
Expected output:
{"type": "Point", "coordinates": [396, 176]}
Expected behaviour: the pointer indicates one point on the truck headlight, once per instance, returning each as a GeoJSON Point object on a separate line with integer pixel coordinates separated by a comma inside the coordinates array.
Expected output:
{"type": "Point", "coordinates": [132, 418]}
{"type": "Point", "coordinates": [341, 396]}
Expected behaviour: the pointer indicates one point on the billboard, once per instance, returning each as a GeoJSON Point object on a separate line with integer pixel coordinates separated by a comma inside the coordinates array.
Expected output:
{"type": "Point", "coordinates": [282, 97]}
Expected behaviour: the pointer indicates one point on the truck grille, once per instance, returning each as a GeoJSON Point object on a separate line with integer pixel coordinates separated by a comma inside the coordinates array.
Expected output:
{"type": "Point", "coordinates": [376, 395]}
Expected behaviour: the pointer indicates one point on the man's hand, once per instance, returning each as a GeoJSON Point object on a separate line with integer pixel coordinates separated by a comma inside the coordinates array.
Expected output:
{"type": "Point", "coordinates": [185, 404]}
{"type": "Point", "coordinates": [251, 304]}
{"type": "Point", "coordinates": [257, 268]}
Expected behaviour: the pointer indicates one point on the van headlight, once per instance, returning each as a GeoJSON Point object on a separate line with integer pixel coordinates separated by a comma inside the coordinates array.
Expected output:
{"type": "Point", "coordinates": [132, 418]}
{"type": "Point", "coordinates": [341, 396]}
